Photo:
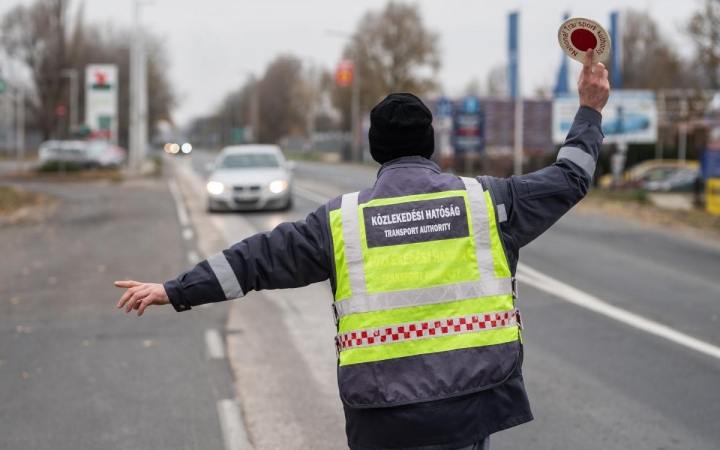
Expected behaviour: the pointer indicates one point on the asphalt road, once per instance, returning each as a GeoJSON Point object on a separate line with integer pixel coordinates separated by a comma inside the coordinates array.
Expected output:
{"type": "Point", "coordinates": [594, 382]}
{"type": "Point", "coordinates": [75, 372]}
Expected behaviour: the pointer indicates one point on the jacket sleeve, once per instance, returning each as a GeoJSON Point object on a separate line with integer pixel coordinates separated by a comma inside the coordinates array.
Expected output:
{"type": "Point", "coordinates": [292, 255]}
{"type": "Point", "coordinates": [535, 201]}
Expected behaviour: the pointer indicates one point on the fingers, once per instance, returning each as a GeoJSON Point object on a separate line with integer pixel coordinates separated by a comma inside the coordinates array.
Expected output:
{"type": "Point", "coordinates": [136, 297]}
{"type": "Point", "coordinates": [587, 62]}
{"type": "Point", "coordinates": [147, 301]}
{"type": "Point", "coordinates": [126, 284]}
{"type": "Point", "coordinates": [126, 296]}
{"type": "Point", "coordinates": [602, 71]}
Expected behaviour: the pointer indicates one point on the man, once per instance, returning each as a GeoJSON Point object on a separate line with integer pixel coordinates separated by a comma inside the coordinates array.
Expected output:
{"type": "Point", "coordinates": [422, 269]}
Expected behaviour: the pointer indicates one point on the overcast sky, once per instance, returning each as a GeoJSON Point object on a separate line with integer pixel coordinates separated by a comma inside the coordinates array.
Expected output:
{"type": "Point", "coordinates": [213, 45]}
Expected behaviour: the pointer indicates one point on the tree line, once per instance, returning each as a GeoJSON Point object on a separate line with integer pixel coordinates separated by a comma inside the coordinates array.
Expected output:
{"type": "Point", "coordinates": [392, 48]}
{"type": "Point", "coordinates": [394, 51]}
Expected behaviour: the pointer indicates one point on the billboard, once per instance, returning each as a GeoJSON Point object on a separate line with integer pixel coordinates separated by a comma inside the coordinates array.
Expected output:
{"type": "Point", "coordinates": [629, 116]}
{"type": "Point", "coordinates": [101, 101]}
{"type": "Point", "coordinates": [468, 126]}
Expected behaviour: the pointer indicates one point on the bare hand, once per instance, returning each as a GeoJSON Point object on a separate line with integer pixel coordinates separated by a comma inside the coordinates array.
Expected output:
{"type": "Point", "coordinates": [141, 295]}
{"type": "Point", "coordinates": [593, 87]}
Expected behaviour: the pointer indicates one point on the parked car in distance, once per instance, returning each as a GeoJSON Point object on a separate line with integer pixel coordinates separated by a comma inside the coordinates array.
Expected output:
{"type": "Point", "coordinates": [62, 152]}
{"type": "Point", "coordinates": [682, 180]}
{"type": "Point", "coordinates": [250, 177]}
{"type": "Point", "coordinates": [81, 153]}
{"type": "Point", "coordinates": [647, 171]}
{"type": "Point", "coordinates": [105, 155]}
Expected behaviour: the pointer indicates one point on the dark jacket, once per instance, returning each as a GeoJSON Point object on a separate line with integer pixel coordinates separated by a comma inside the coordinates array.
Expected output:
{"type": "Point", "coordinates": [300, 253]}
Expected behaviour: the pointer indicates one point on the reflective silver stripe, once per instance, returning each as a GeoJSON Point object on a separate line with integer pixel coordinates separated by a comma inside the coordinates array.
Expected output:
{"type": "Point", "coordinates": [425, 329]}
{"type": "Point", "coordinates": [353, 247]}
{"type": "Point", "coordinates": [225, 275]}
{"type": "Point", "coordinates": [502, 214]}
{"type": "Point", "coordinates": [423, 296]}
{"type": "Point", "coordinates": [579, 157]}
{"type": "Point", "coordinates": [481, 228]}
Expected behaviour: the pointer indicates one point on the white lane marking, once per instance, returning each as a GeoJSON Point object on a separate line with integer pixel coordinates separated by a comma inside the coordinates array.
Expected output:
{"type": "Point", "coordinates": [193, 257]}
{"type": "Point", "coordinates": [310, 195]}
{"type": "Point", "coordinates": [575, 296]}
{"type": "Point", "coordinates": [231, 423]}
{"type": "Point", "coordinates": [179, 205]}
{"type": "Point", "coordinates": [188, 234]}
{"type": "Point", "coordinates": [214, 344]}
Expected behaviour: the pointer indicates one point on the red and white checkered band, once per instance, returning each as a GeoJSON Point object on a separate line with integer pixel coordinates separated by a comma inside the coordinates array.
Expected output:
{"type": "Point", "coordinates": [426, 329]}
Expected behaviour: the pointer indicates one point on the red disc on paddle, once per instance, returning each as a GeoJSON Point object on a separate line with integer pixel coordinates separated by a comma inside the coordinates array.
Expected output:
{"type": "Point", "coordinates": [577, 35]}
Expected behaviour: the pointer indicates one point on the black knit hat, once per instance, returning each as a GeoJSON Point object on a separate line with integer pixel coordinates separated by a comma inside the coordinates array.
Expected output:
{"type": "Point", "coordinates": [400, 125]}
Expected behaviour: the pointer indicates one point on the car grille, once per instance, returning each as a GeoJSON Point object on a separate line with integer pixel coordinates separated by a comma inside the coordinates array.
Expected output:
{"type": "Point", "coordinates": [246, 189]}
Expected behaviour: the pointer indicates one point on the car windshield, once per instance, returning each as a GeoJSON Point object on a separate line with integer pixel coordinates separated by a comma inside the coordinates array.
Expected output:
{"type": "Point", "coordinates": [249, 161]}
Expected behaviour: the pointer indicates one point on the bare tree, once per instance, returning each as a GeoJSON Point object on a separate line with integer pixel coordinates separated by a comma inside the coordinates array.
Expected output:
{"type": "Point", "coordinates": [282, 101]}
{"type": "Point", "coordinates": [704, 29]}
{"type": "Point", "coordinates": [497, 81]}
{"type": "Point", "coordinates": [649, 59]}
{"type": "Point", "coordinates": [394, 52]}
{"type": "Point", "coordinates": [35, 36]}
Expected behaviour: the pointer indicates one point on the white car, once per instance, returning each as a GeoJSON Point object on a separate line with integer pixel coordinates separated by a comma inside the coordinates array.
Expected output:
{"type": "Point", "coordinates": [62, 152]}
{"type": "Point", "coordinates": [250, 177]}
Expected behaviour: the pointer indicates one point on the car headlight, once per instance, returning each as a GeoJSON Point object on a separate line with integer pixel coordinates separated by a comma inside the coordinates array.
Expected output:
{"type": "Point", "coordinates": [278, 186]}
{"type": "Point", "coordinates": [215, 187]}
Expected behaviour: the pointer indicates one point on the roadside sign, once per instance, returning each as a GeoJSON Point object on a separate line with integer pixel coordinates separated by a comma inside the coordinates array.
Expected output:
{"type": "Point", "coordinates": [344, 73]}
{"type": "Point", "coordinates": [444, 107]}
{"type": "Point", "coordinates": [468, 127]}
{"type": "Point", "coordinates": [576, 35]}
{"type": "Point", "coordinates": [471, 104]}
{"type": "Point", "coordinates": [3, 85]}
{"type": "Point", "coordinates": [101, 100]}
{"type": "Point", "coordinates": [710, 164]}
{"type": "Point", "coordinates": [61, 111]}
{"type": "Point", "coordinates": [712, 196]}
{"type": "Point", "coordinates": [630, 116]}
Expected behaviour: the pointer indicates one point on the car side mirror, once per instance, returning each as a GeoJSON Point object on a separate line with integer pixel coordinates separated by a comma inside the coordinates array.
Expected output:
{"type": "Point", "coordinates": [291, 165]}
{"type": "Point", "coordinates": [209, 167]}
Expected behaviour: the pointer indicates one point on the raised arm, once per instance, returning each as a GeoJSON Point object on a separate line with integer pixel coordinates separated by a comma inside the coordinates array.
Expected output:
{"type": "Point", "coordinates": [535, 201]}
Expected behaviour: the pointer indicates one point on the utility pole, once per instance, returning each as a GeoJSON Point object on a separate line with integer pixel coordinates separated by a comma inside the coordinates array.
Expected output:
{"type": "Point", "coordinates": [355, 94]}
{"type": "Point", "coordinates": [683, 130]}
{"type": "Point", "coordinates": [355, 113]}
{"type": "Point", "coordinates": [138, 94]}
{"type": "Point", "coordinates": [72, 74]}
{"type": "Point", "coordinates": [255, 112]}
{"type": "Point", "coordinates": [20, 126]}
{"type": "Point", "coordinates": [310, 124]}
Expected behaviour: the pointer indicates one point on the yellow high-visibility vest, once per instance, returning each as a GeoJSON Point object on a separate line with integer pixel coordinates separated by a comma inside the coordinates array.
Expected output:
{"type": "Point", "coordinates": [424, 297]}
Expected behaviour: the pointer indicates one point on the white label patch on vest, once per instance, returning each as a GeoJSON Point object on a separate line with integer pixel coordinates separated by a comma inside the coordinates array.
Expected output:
{"type": "Point", "coordinates": [413, 222]}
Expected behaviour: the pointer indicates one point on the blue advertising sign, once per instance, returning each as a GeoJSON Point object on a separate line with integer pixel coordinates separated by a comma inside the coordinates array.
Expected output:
{"type": "Point", "coordinates": [469, 127]}
{"type": "Point", "coordinates": [444, 107]}
{"type": "Point", "coordinates": [471, 104]}
{"type": "Point", "coordinates": [710, 164]}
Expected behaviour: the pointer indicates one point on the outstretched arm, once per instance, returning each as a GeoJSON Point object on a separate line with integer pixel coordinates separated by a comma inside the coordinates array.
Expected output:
{"type": "Point", "coordinates": [292, 255]}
